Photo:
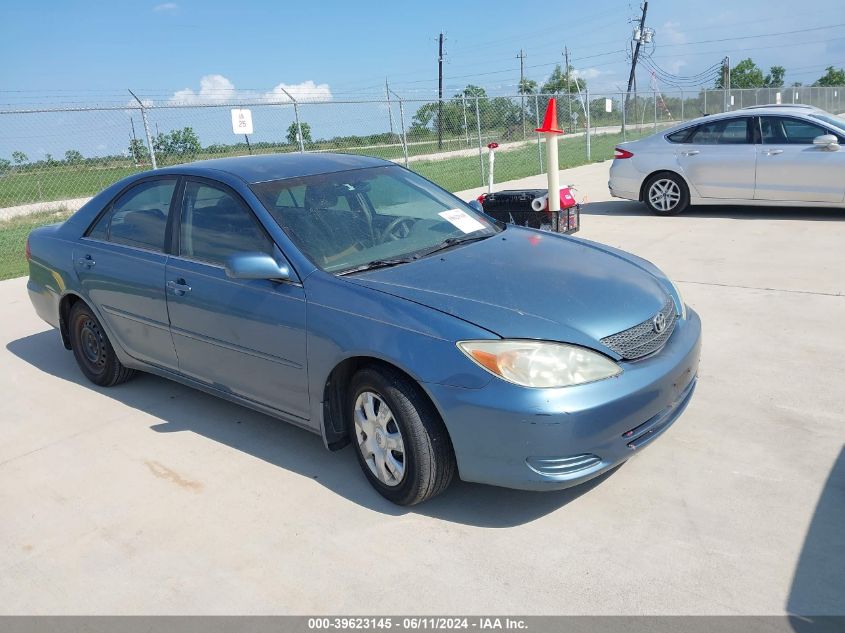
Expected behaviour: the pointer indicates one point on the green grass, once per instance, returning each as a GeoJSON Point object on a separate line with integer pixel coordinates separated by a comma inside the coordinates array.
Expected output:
{"type": "Point", "coordinates": [454, 174]}
{"type": "Point", "coordinates": [13, 234]}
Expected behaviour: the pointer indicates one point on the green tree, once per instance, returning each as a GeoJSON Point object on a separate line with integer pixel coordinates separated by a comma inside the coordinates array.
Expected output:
{"type": "Point", "coordinates": [746, 74]}
{"type": "Point", "coordinates": [775, 77]}
{"type": "Point", "coordinates": [527, 86]}
{"type": "Point", "coordinates": [831, 77]}
{"type": "Point", "coordinates": [293, 133]}
{"type": "Point", "coordinates": [137, 150]}
{"type": "Point", "coordinates": [5, 165]}
{"type": "Point", "coordinates": [48, 158]}
{"type": "Point", "coordinates": [19, 157]}
{"type": "Point", "coordinates": [557, 83]}
{"type": "Point", "coordinates": [73, 157]}
{"type": "Point", "coordinates": [180, 143]}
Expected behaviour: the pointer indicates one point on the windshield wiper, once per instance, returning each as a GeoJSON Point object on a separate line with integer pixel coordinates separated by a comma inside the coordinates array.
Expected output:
{"type": "Point", "coordinates": [449, 242]}
{"type": "Point", "coordinates": [377, 263]}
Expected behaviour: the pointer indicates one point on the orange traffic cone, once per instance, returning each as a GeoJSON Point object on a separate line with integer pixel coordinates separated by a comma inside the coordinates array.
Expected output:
{"type": "Point", "coordinates": [550, 120]}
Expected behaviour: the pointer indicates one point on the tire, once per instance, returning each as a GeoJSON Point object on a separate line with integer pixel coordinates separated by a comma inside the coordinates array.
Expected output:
{"type": "Point", "coordinates": [666, 194]}
{"type": "Point", "coordinates": [93, 350]}
{"type": "Point", "coordinates": [424, 452]}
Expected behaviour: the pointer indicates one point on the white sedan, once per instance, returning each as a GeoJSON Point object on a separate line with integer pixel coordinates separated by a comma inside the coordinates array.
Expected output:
{"type": "Point", "coordinates": [769, 155]}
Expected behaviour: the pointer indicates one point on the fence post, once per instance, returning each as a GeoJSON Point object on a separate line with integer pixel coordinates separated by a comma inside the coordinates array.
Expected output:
{"type": "Point", "coordinates": [146, 131]}
{"type": "Point", "coordinates": [296, 116]}
{"type": "Point", "coordinates": [587, 128]}
{"type": "Point", "coordinates": [480, 153]}
{"type": "Point", "coordinates": [624, 114]}
{"type": "Point", "coordinates": [705, 102]}
{"type": "Point", "coordinates": [537, 121]}
{"type": "Point", "coordinates": [466, 125]}
{"type": "Point", "coordinates": [682, 106]}
{"type": "Point", "coordinates": [404, 134]}
{"type": "Point", "coordinates": [654, 125]}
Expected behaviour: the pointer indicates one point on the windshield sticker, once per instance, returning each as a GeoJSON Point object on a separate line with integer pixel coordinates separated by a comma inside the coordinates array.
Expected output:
{"type": "Point", "coordinates": [461, 220]}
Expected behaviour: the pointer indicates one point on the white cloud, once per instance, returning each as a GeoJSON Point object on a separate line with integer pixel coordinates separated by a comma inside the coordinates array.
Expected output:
{"type": "Point", "coordinates": [219, 89]}
{"type": "Point", "coordinates": [166, 7]}
{"type": "Point", "coordinates": [671, 33]}
{"type": "Point", "coordinates": [306, 91]}
{"type": "Point", "coordinates": [587, 73]}
{"type": "Point", "coordinates": [213, 89]}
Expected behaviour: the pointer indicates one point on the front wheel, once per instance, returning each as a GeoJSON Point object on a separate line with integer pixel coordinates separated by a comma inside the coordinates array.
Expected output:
{"type": "Point", "coordinates": [399, 439]}
{"type": "Point", "coordinates": [93, 350]}
{"type": "Point", "coordinates": [666, 194]}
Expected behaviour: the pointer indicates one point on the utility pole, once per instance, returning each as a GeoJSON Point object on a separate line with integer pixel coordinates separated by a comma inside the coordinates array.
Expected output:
{"type": "Point", "coordinates": [634, 57]}
{"type": "Point", "coordinates": [389, 108]}
{"type": "Point", "coordinates": [726, 82]}
{"type": "Point", "coordinates": [521, 58]}
{"type": "Point", "coordinates": [440, 94]}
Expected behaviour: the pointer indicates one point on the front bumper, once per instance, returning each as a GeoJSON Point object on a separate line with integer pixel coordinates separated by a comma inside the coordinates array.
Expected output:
{"type": "Point", "coordinates": [548, 439]}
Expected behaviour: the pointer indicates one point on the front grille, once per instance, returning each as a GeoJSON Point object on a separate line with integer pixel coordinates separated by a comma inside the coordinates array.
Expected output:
{"type": "Point", "coordinates": [642, 340]}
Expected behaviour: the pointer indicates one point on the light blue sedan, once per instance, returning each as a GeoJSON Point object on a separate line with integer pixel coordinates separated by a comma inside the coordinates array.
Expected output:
{"type": "Point", "coordinates": [355, 299]}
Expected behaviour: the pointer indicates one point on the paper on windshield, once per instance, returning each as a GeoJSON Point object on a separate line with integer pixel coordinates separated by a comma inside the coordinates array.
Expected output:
{"type": "Point", "coordinates": [462, 220]}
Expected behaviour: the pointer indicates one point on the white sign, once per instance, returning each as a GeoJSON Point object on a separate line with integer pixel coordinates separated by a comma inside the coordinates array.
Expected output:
{"type": "Point", "coordinates": [241, 121]}
{"type": "Point", "coordinates": [777, 98]}
{"type": "Point", "coordinates": [461, 220]}
{"type": "Point", "coordinates": [608, 105]}
{"type": "Point", "coordinates": [732, 99]}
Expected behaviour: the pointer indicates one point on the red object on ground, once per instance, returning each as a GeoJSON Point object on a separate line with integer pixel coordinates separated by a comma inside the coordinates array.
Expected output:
{"type": "Point", "coordinates": [492, 145]}
{"type": "Point", "coordinates": [550, 120]}
{"type": "Point", "coordinates": [481, 198]}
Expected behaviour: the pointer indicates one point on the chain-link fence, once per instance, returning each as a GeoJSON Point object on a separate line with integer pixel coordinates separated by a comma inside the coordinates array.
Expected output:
{"type": "Point", "coordinates": [64, 156]}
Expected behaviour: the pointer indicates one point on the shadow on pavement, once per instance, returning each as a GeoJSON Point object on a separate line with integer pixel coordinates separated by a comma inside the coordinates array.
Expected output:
{"type": "Point", "coordinates": [631, 208]}
{"type": "Point", "coordinates": [181, 408]}
{"type": "Point", "coordinates": [818, 587]}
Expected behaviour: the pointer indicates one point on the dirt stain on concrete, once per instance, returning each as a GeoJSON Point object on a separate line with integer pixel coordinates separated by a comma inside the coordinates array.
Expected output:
{"type": "Point", "coordinates": [163, 472]}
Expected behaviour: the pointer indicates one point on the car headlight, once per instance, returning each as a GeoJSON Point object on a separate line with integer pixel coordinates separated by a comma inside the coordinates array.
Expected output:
{"type": "Point", "coordinates": [539, 363]}
{"type": "Point", "coordinates": [683, 312]}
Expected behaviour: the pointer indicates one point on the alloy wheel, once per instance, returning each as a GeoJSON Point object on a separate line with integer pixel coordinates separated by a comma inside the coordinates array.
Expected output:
{"type": "Point", "coordinates": [664, 194]}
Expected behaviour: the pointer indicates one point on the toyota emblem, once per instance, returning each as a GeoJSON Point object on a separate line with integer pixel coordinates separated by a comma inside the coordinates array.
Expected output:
{"type": "Point", "coordinates": [659, 322]}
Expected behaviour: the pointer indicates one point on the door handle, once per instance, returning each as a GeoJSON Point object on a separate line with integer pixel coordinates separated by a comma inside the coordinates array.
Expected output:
{"type": "Point", "coordinates": [692, 152]}
{"type": "Point", "coordinates": [773, 152]}
{"type": "Point", "coordinates": [86, 262]}
{"type": "Point", "coordinates": [179, 287]}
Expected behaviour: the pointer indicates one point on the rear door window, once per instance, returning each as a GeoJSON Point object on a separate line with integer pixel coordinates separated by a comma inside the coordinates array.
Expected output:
{"type": "Point", "coordinates": [138, 217]}
{"type": "Point", "coordinates": [723, 132]}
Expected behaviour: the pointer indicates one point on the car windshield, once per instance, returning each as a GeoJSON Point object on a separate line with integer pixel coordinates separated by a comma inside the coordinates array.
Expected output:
{"type": "Point", "coordinates": [364, 218]}
{"type": "Point", "coordinates": [831, 120]}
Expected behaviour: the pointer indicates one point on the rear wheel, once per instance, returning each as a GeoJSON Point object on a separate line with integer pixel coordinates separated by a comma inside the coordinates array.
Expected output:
{"type": "Point", "coordinates": [666, 194]}
{"type": "Point", "coordinates": [399, 439]}
{"type": "Point", "coordinates": [93, 350]}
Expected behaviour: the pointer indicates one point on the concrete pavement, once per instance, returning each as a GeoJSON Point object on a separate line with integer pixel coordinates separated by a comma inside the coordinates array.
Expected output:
{"type": "Point", "coordinates": [152, 498]}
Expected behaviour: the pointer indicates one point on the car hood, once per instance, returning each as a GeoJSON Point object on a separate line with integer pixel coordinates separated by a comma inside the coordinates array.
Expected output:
{"type": "Point", "coordinates": [529, 284]}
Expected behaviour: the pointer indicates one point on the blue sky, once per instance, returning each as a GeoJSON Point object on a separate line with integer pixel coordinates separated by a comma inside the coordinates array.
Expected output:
{"type": "Point", "coordinates": [83, 50]}
{"type": "Point", "coordinates": [80, 52]}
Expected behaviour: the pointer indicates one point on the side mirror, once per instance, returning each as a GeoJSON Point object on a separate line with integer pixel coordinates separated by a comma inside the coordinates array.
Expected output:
{"type": "Point", "coordinates": [476, 205]}
{"type": "Point", "coordinates": [256, 266]}
{"type": "Point", "coordinates": [827, 141]}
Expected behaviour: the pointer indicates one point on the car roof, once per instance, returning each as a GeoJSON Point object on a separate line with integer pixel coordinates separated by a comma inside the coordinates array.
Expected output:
{"type": "Point", "coordinates": [757, 111]}
{"type": "Point", "coordinates": [788, 106]}
{"type": "Point", "coordinates": [264, 167]}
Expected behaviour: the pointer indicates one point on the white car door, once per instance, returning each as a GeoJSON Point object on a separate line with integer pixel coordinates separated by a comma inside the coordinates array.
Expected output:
{"type": "Point", "coordinates": [791, 168]}
{"type": "Point", "coordinates": [718, 159]}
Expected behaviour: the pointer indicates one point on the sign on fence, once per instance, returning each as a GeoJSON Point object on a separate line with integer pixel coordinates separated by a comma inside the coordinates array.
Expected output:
{"type": "Point", "coordinates": [241, 121]}
{"type": "Point", "coordinates": [608, 105]}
